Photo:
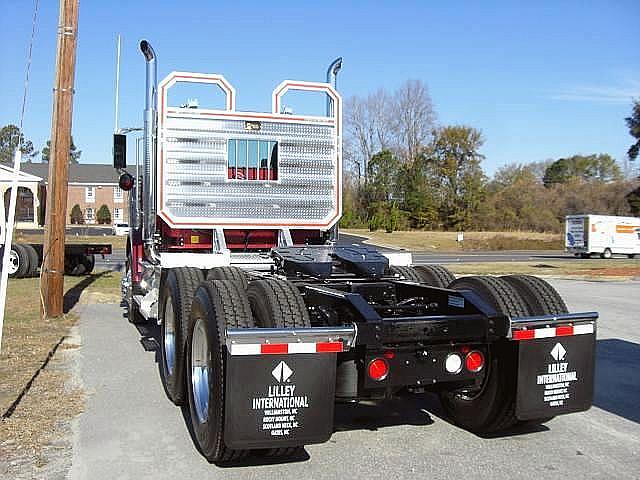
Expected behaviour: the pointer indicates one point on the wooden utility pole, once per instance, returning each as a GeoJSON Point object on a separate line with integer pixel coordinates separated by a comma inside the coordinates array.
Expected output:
{"type": "Point", "coordinates": [52, 285]}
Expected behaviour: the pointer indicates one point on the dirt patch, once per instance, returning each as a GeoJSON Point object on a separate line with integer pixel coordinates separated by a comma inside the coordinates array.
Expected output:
{"type": "Point", "coordinates": [610, 272]}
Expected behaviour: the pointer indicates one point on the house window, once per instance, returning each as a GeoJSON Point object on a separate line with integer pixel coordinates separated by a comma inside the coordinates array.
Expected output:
{"type": "Point", "coordinates": [252, 160]}
{"type": "Point", "coordinates": [90, 194]}
{"type": "Point", "coordinates": [117, 215]}
{"type": "Point", "coordinates": [118, 194]}
{"type": "Point", "coordinates": [89, 215]}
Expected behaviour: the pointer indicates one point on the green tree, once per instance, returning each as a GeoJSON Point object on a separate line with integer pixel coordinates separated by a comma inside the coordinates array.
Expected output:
{"type": "Point", "coordinates": [597, 167]}
{"type": "Point", "coordinates": [74, 153]}
{"type": "Point", "coordinates": [419, 191]}
{"type": "Point", "coordinates": [76, 215]}
{"type": "Point", "coordinates": [104, 215]}
{"type": "Point", "coordinates": [10, 138]}
{"type": "Point", "coordinates": [633, 122]}
{"type": "Point", "coordinates": [458, 172]}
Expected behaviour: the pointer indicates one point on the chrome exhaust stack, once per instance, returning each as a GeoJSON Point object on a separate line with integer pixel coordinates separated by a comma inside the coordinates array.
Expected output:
{"type": "Point", "coordinates": [149, 151]}
{"type": "Point", "coordinates": [332, 79]}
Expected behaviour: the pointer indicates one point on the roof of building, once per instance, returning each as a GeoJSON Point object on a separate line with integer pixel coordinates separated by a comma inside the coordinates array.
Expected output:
{"type": "Point", "coordinates": [78, 173]}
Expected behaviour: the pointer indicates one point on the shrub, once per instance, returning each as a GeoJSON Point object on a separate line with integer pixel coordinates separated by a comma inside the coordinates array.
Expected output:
{"type": "Point", "coordinates": [104, 215]}
{"type": "Point", "coordinates": [76, 215]}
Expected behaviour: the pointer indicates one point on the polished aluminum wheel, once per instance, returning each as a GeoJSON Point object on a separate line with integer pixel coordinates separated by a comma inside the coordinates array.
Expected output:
{"type": "Point", "coordinates": [169, 336]}
{"type": "Point", "coordinates": [200, 370]}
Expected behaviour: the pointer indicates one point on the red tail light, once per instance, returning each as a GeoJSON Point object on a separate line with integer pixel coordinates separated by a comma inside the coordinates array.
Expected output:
{"type": "Point", "coordinates": [378, 369]}
{"type": "Point", "coordinates": [474, 361]}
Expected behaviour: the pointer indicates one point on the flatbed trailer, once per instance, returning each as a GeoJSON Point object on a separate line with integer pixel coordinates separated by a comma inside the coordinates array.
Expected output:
{"type": "Point", "coordinates": [266, 321]}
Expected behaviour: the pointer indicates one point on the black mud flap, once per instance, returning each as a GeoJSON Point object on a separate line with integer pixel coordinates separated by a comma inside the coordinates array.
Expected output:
{"type": "Point", "coordinates": [279, 400]}
{"type": "Point", "coordinates": [555, 375]}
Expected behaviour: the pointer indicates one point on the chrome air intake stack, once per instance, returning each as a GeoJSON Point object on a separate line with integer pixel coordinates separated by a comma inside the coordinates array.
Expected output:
{"type": "Point", "coordinates": [149, 151]}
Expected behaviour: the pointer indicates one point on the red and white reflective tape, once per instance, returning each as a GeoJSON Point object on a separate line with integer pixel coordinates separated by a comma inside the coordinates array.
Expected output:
{"type": "Point", "coordinates": [285, 348]}
{"type": "Point", "coordinates": [549, 332]}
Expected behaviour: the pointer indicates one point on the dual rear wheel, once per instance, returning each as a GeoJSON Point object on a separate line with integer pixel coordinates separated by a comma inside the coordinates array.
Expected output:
{"type": "Point", "coordinates": [195, 314]}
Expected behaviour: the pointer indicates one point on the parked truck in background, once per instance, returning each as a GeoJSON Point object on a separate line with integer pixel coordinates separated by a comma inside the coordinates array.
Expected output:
{"type": "Point", "coordinates": [25, 259]}
{"type": "Point", "coordinates": [604, 235]}
{"type": "Point", "coordinates": [266, 321]}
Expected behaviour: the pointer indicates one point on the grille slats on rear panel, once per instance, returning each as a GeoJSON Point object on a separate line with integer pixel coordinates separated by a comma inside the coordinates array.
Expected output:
{"type": "Point", "coordinates": [196, 181]}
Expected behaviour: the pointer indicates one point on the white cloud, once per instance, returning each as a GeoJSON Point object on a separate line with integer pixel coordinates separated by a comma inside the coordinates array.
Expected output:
{"type": "Point", "coordinates": [605, 94]}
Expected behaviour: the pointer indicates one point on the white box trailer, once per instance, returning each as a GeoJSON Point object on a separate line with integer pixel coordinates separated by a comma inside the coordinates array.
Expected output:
{"type": "Point", "coordinates": [605, 235]}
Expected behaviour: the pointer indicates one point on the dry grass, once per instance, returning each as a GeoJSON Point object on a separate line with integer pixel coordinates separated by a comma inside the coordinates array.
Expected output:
{"type": "Point", "coordinates": [446, 241]}
{"type": "Point", "coordinates": [117, 242]}
{"type": "Point", "coordinates": [39, 419]}
{"type": "Point", "coordinates": [588, 269]}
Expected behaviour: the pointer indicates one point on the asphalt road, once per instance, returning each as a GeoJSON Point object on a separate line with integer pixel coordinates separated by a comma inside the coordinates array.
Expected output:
{"type": "Point", "coordinates": [129, 429]}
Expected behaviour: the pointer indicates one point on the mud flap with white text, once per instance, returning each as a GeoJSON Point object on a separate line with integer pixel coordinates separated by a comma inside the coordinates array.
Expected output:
{"type": "Point", "coordinates": [555, 376]}
{"type": "Point", "coordinates": [279, 400]}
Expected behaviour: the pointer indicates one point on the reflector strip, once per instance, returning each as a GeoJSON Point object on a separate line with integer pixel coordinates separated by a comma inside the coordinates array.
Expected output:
{"type": "Point", "coordinates": [549, 332]}
{"type": "Point", "coordinates": [285, 348]}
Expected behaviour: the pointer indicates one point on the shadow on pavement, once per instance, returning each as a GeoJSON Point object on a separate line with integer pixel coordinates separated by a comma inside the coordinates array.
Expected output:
{"type": "Point", "coordinates": [72, 296]}
{"type": "Point", "coordinates": [617, 388]}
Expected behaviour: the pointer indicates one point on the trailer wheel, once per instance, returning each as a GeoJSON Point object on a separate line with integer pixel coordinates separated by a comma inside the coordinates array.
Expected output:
{"type": "Point", "coordinates": [585, 255]}
{"type": "Point", "coordinates": [176, 296]}
{"type": "Point", "coordinates": [19, 261]}
{"type": "Point", "coordinates": [89, 262]}
{"type": "Point", "coordinates": [491, 407]}
{"type": "Point", "coordinates": [34, 260]}
{"type": "Point", "coordinates": [277, 303]}
{"type": "Point", "coordinates": [228, 273]}
{"type": "Point", "coordinates": [631, 255]}
{"type": "Point", "coordinates": [435, 275]}
{"type": "Point", "coordinates": [406, 273]}
{"type": "Point", "coordinates": [73, 264]}
{"type": "Point", "coordinates": [540, 297]}
{"type": "Point", "coordinates": [217, 305]}
{"type": "Point", "coordinates": [606, 254]}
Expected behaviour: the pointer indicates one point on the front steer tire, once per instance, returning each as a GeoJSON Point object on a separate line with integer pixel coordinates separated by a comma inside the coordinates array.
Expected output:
{"type": "Point", "coordinates": [217, 305]}
{"type": "Point", "coordinates": [178, 289]}
{"type": "Point", "coordinates": [21, 257]}
{"type": "Point", "coordinates": [490, 408]}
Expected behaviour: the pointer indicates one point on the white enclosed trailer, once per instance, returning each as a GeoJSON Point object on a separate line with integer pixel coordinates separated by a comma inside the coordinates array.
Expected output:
{"type": "Point", "coordinates": [605, 235]}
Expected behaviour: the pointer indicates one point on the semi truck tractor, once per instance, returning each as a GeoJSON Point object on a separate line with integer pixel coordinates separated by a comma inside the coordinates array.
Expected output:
{"type": "Point", "coordinates": [267, 321]}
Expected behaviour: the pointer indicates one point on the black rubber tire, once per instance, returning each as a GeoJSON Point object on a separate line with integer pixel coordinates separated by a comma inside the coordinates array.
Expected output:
{"type": "Point", "coordinates": [23, 261]}
{"type": "Point", "coordinates": [179, 286]}
{"type": "Point", "coordinates": [406, 273]}
{"type": "Point", "coordinates": [34, 260]}
{"type": "Point", "coordinates": [540, 297]}
{"type": "Point", "coordinates": [277, 303]}
{"type": "Point", "coordinates": [228, 273]}
{"type": "Point", "coordinates": [585, 255]}
{"type": "Point", "coordinates": [89, 262]}
{"type": "Point", "coordinates": [73, 265]}
{"type": "Point", "coordinates": [435, 275]}
{"type": "Point", "coordinates": [492, 408]}
{"type": "Point", "coordinates": [631, 255]}
{"type": "Point", "coordinates": [606, 254]}
{"type": "Point", "coordinates": [219, 304]}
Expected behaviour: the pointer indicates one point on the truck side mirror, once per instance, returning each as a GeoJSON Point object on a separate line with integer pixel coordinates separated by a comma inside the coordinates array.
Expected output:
{"type": "Point", "coordinates": [119, 151]}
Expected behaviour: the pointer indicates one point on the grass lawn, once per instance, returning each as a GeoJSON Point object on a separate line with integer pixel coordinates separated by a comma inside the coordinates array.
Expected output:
{"type": "Point", "coordinates": [589, 269]}
{"type": "Point", "coordinates": [446, 241]}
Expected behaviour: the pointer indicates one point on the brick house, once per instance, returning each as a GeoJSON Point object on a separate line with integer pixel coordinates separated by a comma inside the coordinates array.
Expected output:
{"type": "Point", "coordinates": [90, 187]}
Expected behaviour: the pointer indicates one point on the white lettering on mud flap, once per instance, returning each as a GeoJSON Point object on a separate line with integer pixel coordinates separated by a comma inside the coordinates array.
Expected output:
{"type": "Point", "coordinates": [557, 379]}
{"type": "Point", "coordinates": [280, 405]}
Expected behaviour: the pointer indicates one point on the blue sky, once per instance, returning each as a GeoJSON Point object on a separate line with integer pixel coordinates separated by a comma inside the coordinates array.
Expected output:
{"type": "Point", "coordinates": [540, 79]}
